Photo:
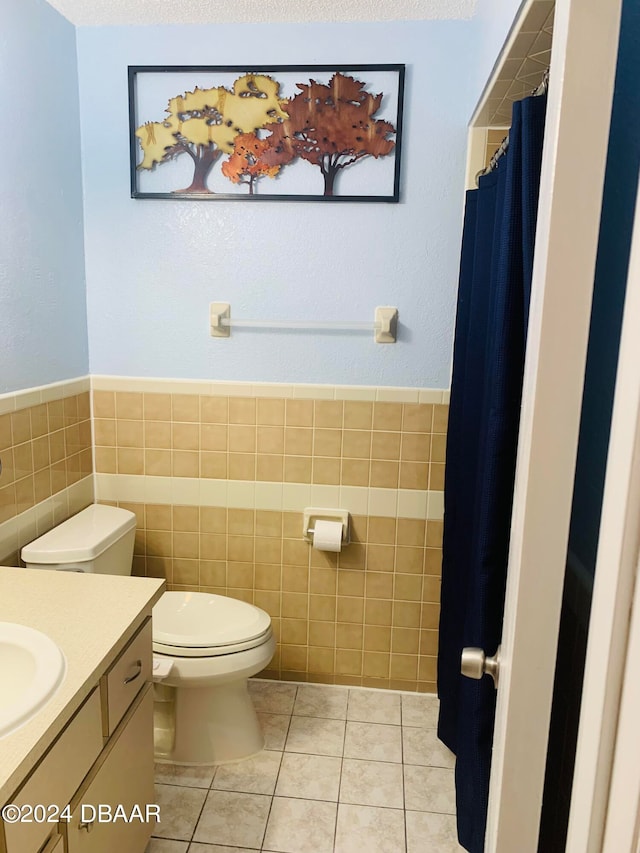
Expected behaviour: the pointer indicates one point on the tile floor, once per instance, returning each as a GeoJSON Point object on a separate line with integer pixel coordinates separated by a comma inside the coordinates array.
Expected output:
{"type": "Point", "coordinates": [343, 771]}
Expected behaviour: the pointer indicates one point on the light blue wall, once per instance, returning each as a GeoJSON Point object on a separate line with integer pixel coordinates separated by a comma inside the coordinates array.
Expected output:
{"type": "Point", "coordinates": [43, 328]}
{"type": "Point", "coordinates": [153, 266]}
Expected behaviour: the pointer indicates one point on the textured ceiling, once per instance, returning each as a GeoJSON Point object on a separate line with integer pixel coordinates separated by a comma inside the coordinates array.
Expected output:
{"type": "Point", "coordinates": [106, 12]}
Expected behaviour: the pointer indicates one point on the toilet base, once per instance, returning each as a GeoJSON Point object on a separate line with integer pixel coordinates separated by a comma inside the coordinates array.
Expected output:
{"type": "Point", "coordinates": [206, 725]}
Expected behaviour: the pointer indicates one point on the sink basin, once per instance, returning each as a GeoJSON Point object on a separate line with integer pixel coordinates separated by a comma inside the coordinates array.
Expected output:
{"type": "Point", "coordinates": [32, 668]}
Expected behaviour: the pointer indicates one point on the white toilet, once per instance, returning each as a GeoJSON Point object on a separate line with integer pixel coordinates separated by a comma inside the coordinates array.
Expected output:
{"type": "Point", "coordinates": [210, 644]}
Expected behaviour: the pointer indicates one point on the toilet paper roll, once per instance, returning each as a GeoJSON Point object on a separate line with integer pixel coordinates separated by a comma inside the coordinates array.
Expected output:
{"type": "Point", "coordinates": [327, 535]}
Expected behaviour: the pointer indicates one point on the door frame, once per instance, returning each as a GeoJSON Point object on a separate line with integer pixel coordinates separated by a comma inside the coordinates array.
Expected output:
{"type": "Point", "coordinates": [606, 791]}
{"type": "Point", "coordinates": [576, 135]}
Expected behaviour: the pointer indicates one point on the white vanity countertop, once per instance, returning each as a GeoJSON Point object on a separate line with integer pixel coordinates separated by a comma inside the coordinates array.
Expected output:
{"type": "Point", "coordinates": [91, 618]}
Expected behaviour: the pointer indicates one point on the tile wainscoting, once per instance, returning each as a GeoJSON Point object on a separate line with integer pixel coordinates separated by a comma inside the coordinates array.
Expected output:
{"type": "Point", "coordinates": [47, 461]}
{"type": "Point", "coordinates": [218, 475]}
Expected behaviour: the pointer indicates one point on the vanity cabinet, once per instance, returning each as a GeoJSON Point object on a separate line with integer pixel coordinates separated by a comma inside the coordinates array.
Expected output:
{"type": "Point", "coordinates": [104, 755]}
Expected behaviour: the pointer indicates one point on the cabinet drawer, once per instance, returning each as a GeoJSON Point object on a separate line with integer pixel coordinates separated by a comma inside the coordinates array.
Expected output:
{"type": "Point", "coordinates": [58, 775]}
{"type": "Point", "coordinates": [127, 676]}
{"type": "Point", "coordinates": [122, 777]}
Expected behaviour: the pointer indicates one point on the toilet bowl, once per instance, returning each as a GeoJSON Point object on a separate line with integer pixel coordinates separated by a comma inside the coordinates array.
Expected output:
{"type": "Point", "coordinates": [214, 645]}
{"type": "Point", "coordinates": [205, 646]}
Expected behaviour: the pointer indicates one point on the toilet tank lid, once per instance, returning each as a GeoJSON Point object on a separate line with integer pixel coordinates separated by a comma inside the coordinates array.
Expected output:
{"type": "Point", "coordinates": [81, 538]}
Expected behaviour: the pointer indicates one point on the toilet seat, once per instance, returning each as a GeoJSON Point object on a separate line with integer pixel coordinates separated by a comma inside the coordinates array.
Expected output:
{"type": "Point", "coordinates": [200, 624]}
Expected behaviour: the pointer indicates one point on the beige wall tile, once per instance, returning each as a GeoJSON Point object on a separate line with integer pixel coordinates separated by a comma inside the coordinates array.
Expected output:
{"type": "Point", "coordinates": [356, 444]}
{"type": "Point", "coordinates": [157, 434]}
{"type": "Point", "coordinates": [355, 472]}
{"type": "Point", "coordinates": [327, 442]}
{"type": "Point", "coordinates": [377, 638]}
{"type": "Point", "coordinates": [129, 433]}
{"type": "Point", "coordinates": [157, 463]}
{"type": "Point", "coordinates": [329, 414]}
{"type": "Point", "coordinates": [185, 408]}
{"type": "Point", "coordinates": [6, 439]}
{"type": "Point", "coordinates": [414, 475]}
{"type": "Point", "coordinates": [104, 405]}
{"type": "Point", "coordinates": [242, 466]}
{"type": "Point", "coordinates": [242, 439]}
{"type": "Point", "coordinates": [297, 469]}
{"type": "Point", "coordinates": [270, 412]}
{"type": "Point", "coordinates": [270, 468]}
{"type": "Point", "coordinates": [270, 439]}
{"type": "Point", "coordinates": [128, 405]}
{"type": "Point", "coordinates": [376, 665]}
{"type": "Point", "coordinates": [186, 519]}
{"type": "Point", "coordinates": [386, 445]}
{"type": "Point", "coordinates": [242, 410]}
{"type": "Point", "coordinates": [417, 417]}
{"type": "Point", "coordinates": [358, 415]}
{"type": "Point", "coordinates": [214, 410]}
{"type": "Point", "coordinates": [130, 460]}
{"type": "Point", "coordinates": [299, 413]}
{"type": "Point", "coordinates": [185, 436]}
{"type": "Point", "coordinates": [298, 441]}
{"type": "Point", "coordinates": [156, 407]}
{"type": "Point", "coordinates": [440, 418]}
{"type": "Point", "coordinates": [379, 585]}
{"type": "Point", "coordinates": [268, 523]}
{"type": "Point", "coordinates": [326, 471]}
{"type": "Point", "coordinates": [384, 475]}
{"type": "Point", "coordinates": [411, 531]}
{"type": "Point", "coordinates": [387, 416]}
{"type": "Point", "coordinates": [322, 634]}
{"type": "Point", "coordinates": [185, 463]}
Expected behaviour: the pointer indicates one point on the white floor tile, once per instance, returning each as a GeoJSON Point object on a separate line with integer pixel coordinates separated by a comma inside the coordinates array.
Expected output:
{"type": "Point", "coordinates": [429, 789]}
{"type": "Point", "coordinates": [420, 710]}
{"type": "Point", "coordinates": [190, 777]}
{"type": "Point", "coordinates": [300, 826]}
{"type": "Point", "coordinates": [321, 701]}
{"type": "Point", "coordinates": [256, 775]}
{"type": "Point", "coordinates": [179, 810]}
{"type": "Point", "coordinates": [316, 736]}
{"type": "Point", "coordinates": [233, 819]}
{"type": "Point", "coordinates": [274, 728]}
{"type": "Point", "coordinates": [433, 832]}
{"type": "Point", "coordinates": [373, 706]}
{"type": "Point", "coordinates": [363, 828]}
{"type": "Point", "coordinates": [421, 746]}
{"type": "Point", "coordinates": [374, 742]}
{"type": "Point", "coordinates": [216, 848]}
{"type": "Point", "coordinates": [272, 697]}
{"type": "Point", "coordinates": [161, 845]}
{"type": "Point", "coordinates": [310, 777]}
{"type": "Point", "coordinates": [371, 783]}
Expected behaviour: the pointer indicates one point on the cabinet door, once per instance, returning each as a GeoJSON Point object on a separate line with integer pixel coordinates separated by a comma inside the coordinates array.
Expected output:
{"type": "Point", "coordinates": [123, 776]}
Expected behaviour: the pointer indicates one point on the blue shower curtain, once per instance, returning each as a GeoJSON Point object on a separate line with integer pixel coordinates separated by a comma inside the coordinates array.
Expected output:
{"type": "Point", "coordinates": [490, 338]}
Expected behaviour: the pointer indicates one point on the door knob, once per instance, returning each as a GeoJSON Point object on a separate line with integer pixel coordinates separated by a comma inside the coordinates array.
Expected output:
{"type": "Point", "coordinates": [474, 664]}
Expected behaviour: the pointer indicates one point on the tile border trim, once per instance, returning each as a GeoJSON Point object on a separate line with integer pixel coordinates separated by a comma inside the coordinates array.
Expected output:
{"type": "Point", "coordinates": [220, 388]}
{"type": "Point", "coordinates": [13, 401]}
{"type": "Point", "coordinates": [280, 497]}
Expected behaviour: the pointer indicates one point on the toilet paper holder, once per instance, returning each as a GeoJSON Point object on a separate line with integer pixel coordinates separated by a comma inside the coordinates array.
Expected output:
{"type": "Point", "coordinates": [312, 514]}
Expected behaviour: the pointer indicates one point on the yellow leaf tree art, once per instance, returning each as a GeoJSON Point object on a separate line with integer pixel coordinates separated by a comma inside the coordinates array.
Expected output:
{"type": "Point", "coordinates": [205, 123]}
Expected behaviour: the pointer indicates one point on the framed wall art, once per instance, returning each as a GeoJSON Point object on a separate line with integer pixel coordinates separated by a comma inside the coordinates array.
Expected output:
{"type": "Point", "coordinates": [266, 133]}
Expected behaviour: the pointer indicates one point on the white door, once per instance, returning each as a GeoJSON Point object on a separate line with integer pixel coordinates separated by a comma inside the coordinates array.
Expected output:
{"type": "Point", "coordinates": [579, 105]}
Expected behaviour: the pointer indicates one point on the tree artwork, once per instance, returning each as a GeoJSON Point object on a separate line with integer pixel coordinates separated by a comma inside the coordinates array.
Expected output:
{"type": "Point", "coordinates": [258, 126]}
{"type": "Point", "coordinates": [206, 122]}
{"type": "Point", "coordinates": [332, 127]}
{"type": "Point", "coordinates": [245, 165]}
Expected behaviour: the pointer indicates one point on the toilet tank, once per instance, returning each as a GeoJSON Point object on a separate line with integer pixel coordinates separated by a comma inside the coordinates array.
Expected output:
{"type": "Point", "coordinates": [98, 539]}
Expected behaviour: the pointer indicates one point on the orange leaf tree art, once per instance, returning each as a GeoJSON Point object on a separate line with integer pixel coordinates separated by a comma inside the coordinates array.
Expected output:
{"type": "Point", "coordinates": [245, 165]}
{"type": "Point", "coordinates": [331, 126]}
{"type": "Point", "coordinates": [205, 123]}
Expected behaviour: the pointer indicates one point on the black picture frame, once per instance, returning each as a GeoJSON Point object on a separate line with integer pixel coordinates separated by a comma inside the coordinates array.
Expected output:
{"type": "Point", "coordinates": [351, 104]}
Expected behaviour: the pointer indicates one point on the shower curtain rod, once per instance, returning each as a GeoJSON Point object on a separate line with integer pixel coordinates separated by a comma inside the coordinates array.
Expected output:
{"type": "Point", "coordinates": [541, 89]}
